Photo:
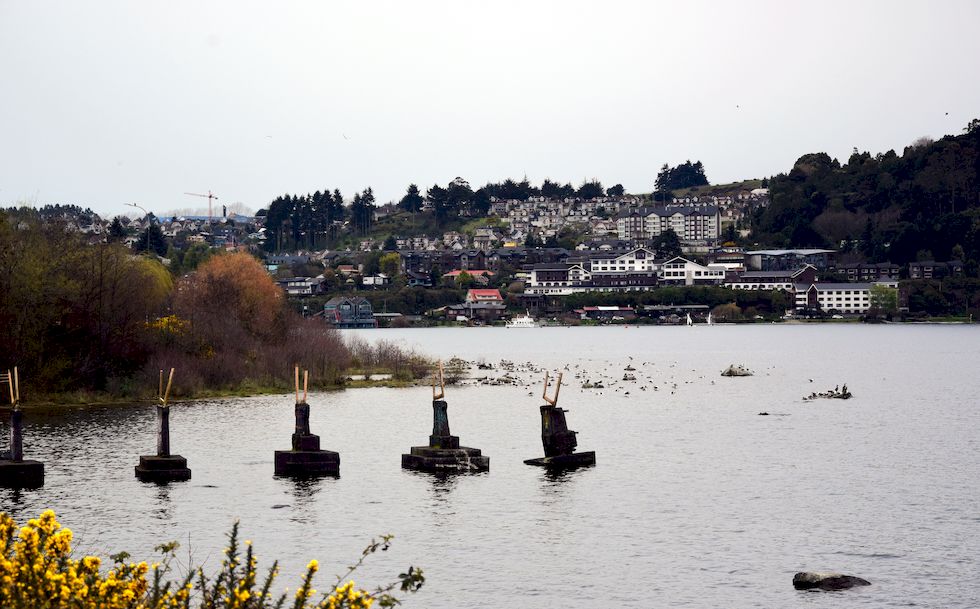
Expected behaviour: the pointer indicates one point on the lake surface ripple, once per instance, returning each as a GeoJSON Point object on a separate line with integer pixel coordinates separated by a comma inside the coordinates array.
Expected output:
{"type": "Point", "coordinates": [696, 500]}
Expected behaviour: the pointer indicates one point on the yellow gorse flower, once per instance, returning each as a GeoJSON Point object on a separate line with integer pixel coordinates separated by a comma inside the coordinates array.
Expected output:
{"type": "Point", "coordinates": [37, 570]}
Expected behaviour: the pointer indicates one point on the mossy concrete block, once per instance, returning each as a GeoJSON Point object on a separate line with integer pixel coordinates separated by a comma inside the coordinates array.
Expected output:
{"type": "Point", "coordinates": [307, 463]}
{"type": "Point", "coordinates": [570, 461]}
{"type": "Point", "coordinates": [154, 468]}
{"type": "Point", "coordinates": [21, 474]}
{"type": "Point", "coordinates": [446, 460]}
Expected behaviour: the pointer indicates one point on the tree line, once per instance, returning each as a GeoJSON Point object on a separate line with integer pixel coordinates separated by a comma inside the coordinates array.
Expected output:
{"type": "Point", "coordinates": [317, 220]}
{"type": "Point", "coordinates": [79, 316]}
{"type": "Point", "coordinates": [923, 204]}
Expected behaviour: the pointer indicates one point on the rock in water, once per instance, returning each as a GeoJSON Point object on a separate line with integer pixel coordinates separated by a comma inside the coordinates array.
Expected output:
{"type": "Point", "coordinates": [806, 580]}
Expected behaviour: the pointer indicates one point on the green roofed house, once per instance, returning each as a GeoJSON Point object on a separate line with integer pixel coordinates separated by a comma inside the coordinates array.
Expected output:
{"type": "Point", "coordinates": [345, 312]}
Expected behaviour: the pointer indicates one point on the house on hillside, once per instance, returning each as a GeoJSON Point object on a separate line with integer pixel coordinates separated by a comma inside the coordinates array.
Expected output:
{"type": "Point", "coordinates": [302, 286]}
{"type": "Point", "coordinates": [416, 279]}
{"type": "Point", "coordinates": [931, 269]}
{"type": "Point", "coordinates": [869, 271]}
{"type": "Point", "coordinates": [480, 276]}
{"type": "Point", "coordinates": [376, 281]}
{"type": "Point", "coordinates": [485, 295]}
{"type": "Point", "coordinates": [784, 260]}
{"type": "Point", "coordinates": [681, 271]}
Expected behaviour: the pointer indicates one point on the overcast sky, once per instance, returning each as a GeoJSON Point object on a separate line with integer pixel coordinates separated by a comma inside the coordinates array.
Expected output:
{"type": "Point", "coordinates": [107, 103]}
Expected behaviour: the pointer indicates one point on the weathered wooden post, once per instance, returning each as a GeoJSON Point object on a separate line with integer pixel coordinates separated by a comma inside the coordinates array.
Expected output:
{"type": "Point", "coordinates": [15, 472]}
{"type": "Point", "coordinates": [443, 454]}
{"type": "Point", "coordinates": [163, 467]}
{"type": "Point", "coordinates": [305, 458]}
{"type": "Point", "coordinates": [559, 441]}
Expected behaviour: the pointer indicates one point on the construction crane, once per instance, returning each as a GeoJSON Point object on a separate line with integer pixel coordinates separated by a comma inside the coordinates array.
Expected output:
{"type": "Point", "coordinates": [209, 197]}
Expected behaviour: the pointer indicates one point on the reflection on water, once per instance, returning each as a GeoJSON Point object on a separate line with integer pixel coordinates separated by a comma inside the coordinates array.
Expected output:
{"type": "Point", "coordinates": [164, 507]}
{"type": "Point", "coordinates": [697, 501]}
{"type": "Point", "coordinates": [303, 492]}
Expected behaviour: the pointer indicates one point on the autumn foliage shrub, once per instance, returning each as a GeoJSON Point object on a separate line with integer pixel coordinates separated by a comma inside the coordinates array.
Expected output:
{"type": "Point", "coordinates": [231, 328]}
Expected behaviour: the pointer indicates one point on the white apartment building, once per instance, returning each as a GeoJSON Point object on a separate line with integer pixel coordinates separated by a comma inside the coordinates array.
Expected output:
{"type": "Point", "coordinates": [681, 271]}
{"type": "Point", "coordinates": [691, 223]}
{"type": "Point", "coordinates": [637, 260]}
{"type": "Point", "coordinates": [600, 272]}
{"type": "Point", "coordinates": [841, 297]}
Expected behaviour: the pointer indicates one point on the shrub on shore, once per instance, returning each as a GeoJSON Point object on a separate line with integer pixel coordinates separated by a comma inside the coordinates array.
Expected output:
{"type": "Point", "coordinates": [37, 570]}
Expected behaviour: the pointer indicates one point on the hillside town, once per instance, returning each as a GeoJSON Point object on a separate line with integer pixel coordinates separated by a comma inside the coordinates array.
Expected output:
{"type": "Point", "coordinates": [512, 261]}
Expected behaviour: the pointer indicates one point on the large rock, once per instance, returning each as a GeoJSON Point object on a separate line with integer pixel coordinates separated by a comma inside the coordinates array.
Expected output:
{"type": "Point", "coordinates": [806, 580]}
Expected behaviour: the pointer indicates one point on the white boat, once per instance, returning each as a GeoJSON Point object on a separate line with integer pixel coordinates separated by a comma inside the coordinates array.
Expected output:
{"type": "Point", "coordinates": [521, 321]}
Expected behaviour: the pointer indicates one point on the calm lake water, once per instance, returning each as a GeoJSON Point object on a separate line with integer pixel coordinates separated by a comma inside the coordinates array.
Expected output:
{"type": "Point", "coordinates": [696, 501]}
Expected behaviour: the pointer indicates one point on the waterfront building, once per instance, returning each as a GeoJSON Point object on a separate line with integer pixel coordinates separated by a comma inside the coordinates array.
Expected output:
{"type": "Point", "coordinates": [845, 298]}
{"type": "Point", "coordinates": [344, 312]}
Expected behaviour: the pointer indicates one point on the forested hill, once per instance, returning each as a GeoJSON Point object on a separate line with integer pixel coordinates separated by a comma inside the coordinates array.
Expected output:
{"type": "Point", "coordinates": [922, 204]}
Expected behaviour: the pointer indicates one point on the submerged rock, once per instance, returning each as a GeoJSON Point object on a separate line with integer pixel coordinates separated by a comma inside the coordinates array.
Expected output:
{"type": "Point", "coordinates": [807, 580]}
{"type": "Point", "coordinates": [837, 393]}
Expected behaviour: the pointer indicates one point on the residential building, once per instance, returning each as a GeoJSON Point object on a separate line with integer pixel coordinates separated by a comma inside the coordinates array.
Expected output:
{"type": "Point", "coordinates": [866, 272]}
{"type": "Point", "coordinates": [930, 269]}
{"type": "Point", "coordinates": [772, 280]}
{"type": "Point", "coordinates": [598, 271]}
{"type": "Point", "coordinates": [480, 276]}
{"type": "Point", "coordinates": [344, 312]}
{"type": "Point", "coordinates": [845, 298]}
{"type": "Point", "coordinates": [376, 281]}
{"type": "Point", "coordinates": [691, 223]}
{"type": "Point", "coordinates": [484, 295]}
{"type": "Point", "coordinates": [607, 313]}
{"type": "Point", "coordinates": [302, 286]}
{"type": "Point", "coordinates": [681, 271]}
{"type": "Point", "coordinates": [785, 260]}
{"type": "Point", "coordinates": [483, 311]}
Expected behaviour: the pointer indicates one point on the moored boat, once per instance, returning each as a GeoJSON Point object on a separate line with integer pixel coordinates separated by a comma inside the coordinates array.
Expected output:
{"type": "Point", "coordinates": [521, 321]}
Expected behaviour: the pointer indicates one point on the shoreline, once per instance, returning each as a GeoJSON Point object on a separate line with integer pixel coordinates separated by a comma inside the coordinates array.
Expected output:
{"type": "Point", "coordinates": [63, 401]}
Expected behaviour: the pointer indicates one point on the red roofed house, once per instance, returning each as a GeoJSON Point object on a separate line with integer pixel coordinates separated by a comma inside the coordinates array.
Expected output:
{"type": "Point", "coordinates": [480, 276]}
{"type": "Point", "coordinates": [484, 296]}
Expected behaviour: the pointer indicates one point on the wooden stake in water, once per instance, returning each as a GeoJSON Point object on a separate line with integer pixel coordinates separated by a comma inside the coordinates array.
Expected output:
{"type": "Point", "coordinates": [16, 419]}
{"type": "Point", "coordinates": [442, 384]}
{"type": "Point", "coordinates": [306, 383]}
{"type": "Point", "coordinates": [296, 381]}
{"type": "Point", "coordinates": [163, 417]}
{"type": "Point", "coordinates": [553, 400]}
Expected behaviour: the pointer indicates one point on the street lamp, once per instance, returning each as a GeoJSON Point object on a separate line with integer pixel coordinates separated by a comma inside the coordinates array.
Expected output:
{"type": "Point", "coordinates": [146, 214]}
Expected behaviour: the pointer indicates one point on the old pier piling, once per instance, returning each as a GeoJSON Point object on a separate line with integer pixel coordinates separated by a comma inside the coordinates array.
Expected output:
{"type": "Point", "coordinates": [559, 441]}
{"type": "Point", "coordinates": [306, 458]}
{"type": "Point", "coordinates": [163, 467]}
{"type": "Point", "coordinates": [444, 454]}
{"type": "Point", "coordinates": [15, 471]}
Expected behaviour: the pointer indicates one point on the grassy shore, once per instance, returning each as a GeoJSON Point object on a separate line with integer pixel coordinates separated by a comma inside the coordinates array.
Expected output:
{"type": "Point", "coordinates": [248, 389]}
